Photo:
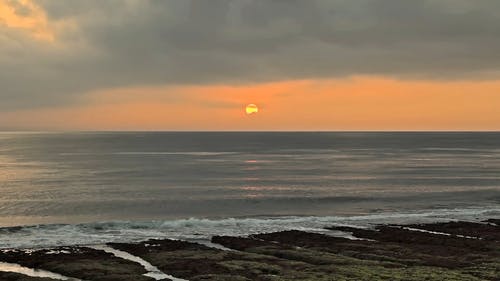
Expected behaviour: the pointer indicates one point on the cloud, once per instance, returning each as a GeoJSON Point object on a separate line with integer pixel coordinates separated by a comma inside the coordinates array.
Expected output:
{"type": "Point", "coordinates": [119, 43]}
{"type": "Point", "coordinates": [358, 103]}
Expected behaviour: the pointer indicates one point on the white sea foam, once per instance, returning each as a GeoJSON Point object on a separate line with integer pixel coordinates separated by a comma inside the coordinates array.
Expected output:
{"type": "Point", "coordinates": [153, 271]}
{"type": "Point", "coordinates": [204, 229]}
{"type": "Point", "coordinates": [13, 267]}
{"type": "Point", "coordinates": [440, 233]}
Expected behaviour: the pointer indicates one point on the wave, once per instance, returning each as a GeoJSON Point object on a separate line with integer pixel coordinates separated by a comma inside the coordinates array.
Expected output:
{"type": "Point", "coordinates": [51, 235]}
{"type": "Point", "coordinates": [189, 153]}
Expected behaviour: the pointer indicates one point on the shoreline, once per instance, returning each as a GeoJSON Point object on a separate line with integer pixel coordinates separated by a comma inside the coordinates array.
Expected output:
{"type": "Point", "coordinates": [455, 250]}
{"type": "Point", "coordinates": [203, 228]}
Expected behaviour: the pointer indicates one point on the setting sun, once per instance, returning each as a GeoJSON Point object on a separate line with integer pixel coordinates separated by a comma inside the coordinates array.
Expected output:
{"type": "Point", "coordinates": [251, 109]}
{"type": "Point", "coordinates": [262, 121]}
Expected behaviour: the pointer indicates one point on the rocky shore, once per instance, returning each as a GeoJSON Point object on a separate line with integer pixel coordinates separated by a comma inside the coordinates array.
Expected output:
{"type": "Point", "coordinates": [453, 251]}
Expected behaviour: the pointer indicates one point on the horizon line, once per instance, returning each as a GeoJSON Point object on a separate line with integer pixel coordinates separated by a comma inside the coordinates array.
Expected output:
{"type": "Point", "coordinates": [249, 131]}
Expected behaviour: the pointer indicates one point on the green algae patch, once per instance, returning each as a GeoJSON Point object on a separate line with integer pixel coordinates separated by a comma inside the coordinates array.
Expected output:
{"type": "Point", "coordinates": [387, 253]}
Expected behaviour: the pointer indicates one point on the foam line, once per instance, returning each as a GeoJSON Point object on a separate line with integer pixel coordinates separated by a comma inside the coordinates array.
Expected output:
{"type": "Point", "coordinates": [440, 233]}
{"type": "Point", "coordinates": [153, 271]}
{"type": "Point", "coordinates": [99, 233]}
{"type": "Point", "coordinates": [14, 267]}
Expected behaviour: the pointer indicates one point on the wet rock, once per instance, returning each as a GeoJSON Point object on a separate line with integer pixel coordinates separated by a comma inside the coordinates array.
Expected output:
{"type": "Point", "coordinates": [323, 256]}
{"type": "Point", "coordinates": [486, 231]}
{"type": "Point", "coordinates": [493, 221]}
{"type": "Point", "coordinates": [428, 248]}
{"type": "Point", "coordinates": [78, 262]}
{"type": "Point", "coordinates": [388, 252]}
{"type": "Point", "coordinates": [11, 276]}
{"type": "Point", "coordinates": [198, 262]}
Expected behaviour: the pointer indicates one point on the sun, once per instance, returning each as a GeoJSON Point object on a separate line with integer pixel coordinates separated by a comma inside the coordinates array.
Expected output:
{"type": "Point", "coordinates": [251, 109]}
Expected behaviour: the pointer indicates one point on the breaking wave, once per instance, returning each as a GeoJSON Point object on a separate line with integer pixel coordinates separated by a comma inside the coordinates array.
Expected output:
{"type": "Point", "coordinates": [50, 235]}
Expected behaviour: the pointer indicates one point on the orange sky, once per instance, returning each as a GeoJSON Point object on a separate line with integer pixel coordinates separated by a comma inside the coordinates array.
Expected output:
{"type": "Point", "coordinates": [41, 44]}
{"type": "Point", "coordinates": [35, 24]}
{"type": "Point", "coordinates": [358, 103]}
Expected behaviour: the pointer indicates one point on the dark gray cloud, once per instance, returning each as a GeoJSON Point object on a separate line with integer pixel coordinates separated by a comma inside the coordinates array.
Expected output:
{"type": "Point", "coordinates": [137, 42]}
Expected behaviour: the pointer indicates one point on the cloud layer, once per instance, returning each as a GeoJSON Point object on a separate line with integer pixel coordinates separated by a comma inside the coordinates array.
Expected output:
{"type": "Point", "coordinates": [78, 46]}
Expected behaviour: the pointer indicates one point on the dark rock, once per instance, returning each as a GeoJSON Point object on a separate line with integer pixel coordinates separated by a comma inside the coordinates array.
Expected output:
{"type": "Point", "coordinates": [485, 231]}
{"type": "Point", "coordinates": [388, 252]}
{"type": "Point", "coordinates": [11, 276]}
{"type": "Point", "coordinates": [78, 262]}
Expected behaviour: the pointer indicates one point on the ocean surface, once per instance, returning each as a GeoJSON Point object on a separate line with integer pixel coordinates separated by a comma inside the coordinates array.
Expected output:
{"type": "Point", "coordinates": [88, 188]}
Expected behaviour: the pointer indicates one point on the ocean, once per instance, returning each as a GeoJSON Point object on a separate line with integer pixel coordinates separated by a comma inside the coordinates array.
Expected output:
{"type": "Point", "coordinates": [95, 187]}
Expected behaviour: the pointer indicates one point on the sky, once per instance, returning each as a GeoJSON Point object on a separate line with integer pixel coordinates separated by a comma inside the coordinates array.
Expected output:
{"type": "Point", "coordinates": [196, 64]}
